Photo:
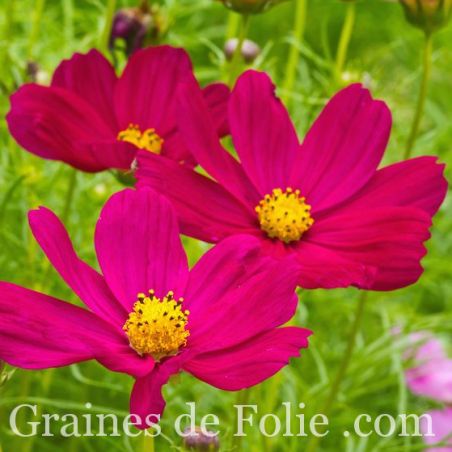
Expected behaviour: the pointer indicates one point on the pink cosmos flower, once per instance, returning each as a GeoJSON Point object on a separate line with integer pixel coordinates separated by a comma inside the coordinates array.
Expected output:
{"type": "Point", "coordinates": [149, 316]}
{"type": "Point", "coordinates": [431, 375]}
{"type": "Point", "coordinates": [93, 120]}
{"type": "Point", "coordinates": [323, 201]}
{"type": "Point", "coordinates": [441, 427]}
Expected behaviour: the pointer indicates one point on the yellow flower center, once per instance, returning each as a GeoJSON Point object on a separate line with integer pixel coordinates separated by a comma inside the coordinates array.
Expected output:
{"type": "Point", "coordinates": [284, 215]}
{"type": "Point", "coordinates": [157, 327]}
{"type": "Point", "coordinates": [148, 140]}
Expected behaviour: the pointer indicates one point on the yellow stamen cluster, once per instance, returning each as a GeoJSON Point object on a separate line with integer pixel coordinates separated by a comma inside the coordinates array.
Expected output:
{"type": "Point", "coordinates": [156, 326]}
{"type": "Point", "coordinates": [148, 140]}
{"type": "Point", "coordinates": [284, 215]}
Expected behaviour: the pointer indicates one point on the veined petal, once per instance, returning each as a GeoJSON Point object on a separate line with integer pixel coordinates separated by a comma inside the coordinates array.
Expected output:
{"type": "Point", "coordinates": [251, 362]}
{"type": "Point", "coordinates": [343, 148]}
{"type": "Point", "coordinates": [92, 78]}
{"type": "Point", "coordinates": [138, 246]}
{"type": "Point", "coordinates": [199, 132]}
{"type": "Point", "coordinates": [147, 400]}
{"type": "Point", "coordinates": [89, 285]}
{"type": "Point", "coordinates": [146, 92]}
{"type": "Point", "coordinates": [418, 182]}
{"type": "Point", "coordinates": [262, 131]}
{"type": "Point", "coordinates": [258, 302]}
{"type": "Point", "coordinates": [389, 239]}
{"type": "Point", "coordinates": [205, 209]}
{"type": "Point", "coordinates": [216, 96]}
{"type": "Point", "coordinates": [38, 332]}
{"type": "Point", "coordinates": [56, 124]}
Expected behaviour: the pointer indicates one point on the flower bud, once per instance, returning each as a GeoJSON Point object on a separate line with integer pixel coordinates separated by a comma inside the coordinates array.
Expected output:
{"type": "Point", "coordinates": [429, 15]}
{"type": "Point", "coordinates": [135, 26]}
{"type": "Point", "coordinates": [197, 440]}
{"type": "Point", "coordinates": [250, 6]}
{"type": "Point", "coordinates": [250, 50]}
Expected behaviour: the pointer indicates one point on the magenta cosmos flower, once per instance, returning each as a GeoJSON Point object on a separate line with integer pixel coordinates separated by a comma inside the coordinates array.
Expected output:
{"type": "Point", "coordinates": [93, 120]}
{"type": "Point", "coordinates": [148, 315]}
{"type": "Point", "coordinates": [323, 201]}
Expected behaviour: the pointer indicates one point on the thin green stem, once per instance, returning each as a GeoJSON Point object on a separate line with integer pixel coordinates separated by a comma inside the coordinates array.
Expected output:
{"type": "Point", "coordinates": [344, 40]}
{"type": "Point", "coordinates": [236, 61]}
{"type": "Point", "coordinates": [233, 25]}
{"type": "Point", "coordinates": [294, 54]}
{"type": "Point", "coordinates": [147, 444]}
{"type": "Point", "coordinates": [109, 14]}
{"type": "Point", "coordinates": [337, 382]}
{"type": "Point", "coordinates": [426, 71]}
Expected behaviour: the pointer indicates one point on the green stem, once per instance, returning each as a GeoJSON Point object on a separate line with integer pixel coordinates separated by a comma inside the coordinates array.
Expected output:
{"type": "Point", "coordinates": [337, 382]}
{"type": "Point", "coordinates": [109, 14]}
{"type": "Point", "coordinates": [426, 70]}
{"type": "Point", "coordinates": [233, 25]}
{"type": "Point", "coordinates": [294, 54]}
{"type": "Point", "coordinates": [236, 60]}
{"type": "Point", "coordinates": [147, 444]}
{"type": "Point", "coordinates": [344, 40]}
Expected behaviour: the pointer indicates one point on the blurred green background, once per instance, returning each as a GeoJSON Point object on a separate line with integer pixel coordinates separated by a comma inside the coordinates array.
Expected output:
{"type": "Point", "coordinates": [385, 53]}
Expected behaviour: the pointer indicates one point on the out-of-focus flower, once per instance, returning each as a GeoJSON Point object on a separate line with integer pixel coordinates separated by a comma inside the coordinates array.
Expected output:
{"type": "Point", "coordinates": [250, 50]}
{"type": "Point", "coordinates": [251, 6]}
{"type": "Point", "coordinates": [147, 314]}
{"type": "Point", "coordinates": [431, 373]}
{"type": "Point", "coordinates": [429, 15]}
{"type": "Point", "coordinates": [322, 202]}
{"type": "Point", "coordinates": [93, 120]}
{"type": "Point", "coordinates": [136, 27]}
{"type": "Point", "coordinates": [197, 440]}
{"type": "Point", "coordinates": [441, 427]}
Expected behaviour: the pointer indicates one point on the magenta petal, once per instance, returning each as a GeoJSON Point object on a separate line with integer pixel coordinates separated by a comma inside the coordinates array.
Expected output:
{"type": "Point", "coordinates": [418, 182]}
{"type": "Point", "coordinates": [262, 131]}
{"type": "Point", "coordinates": [38, 332]}
{"type": "Point", "coordinates": [251, 362]}
{"type": "Point", "coordinates": [224, 267]}
{"type": "Point", "coordinates": [320, 267]}
{"type": "Point", "coordinates": [204, 208]}
{"type": "Point", "coordinates": [147, 400]}
{"type": "Point", "coordinates": [441, 429]}
{"type": "Point", "coordinates": [56, 124]}
{"type": "Point", "coordinates": [258, 301]}
{"type": "Point", "coordinates": [216, 96]}
{"type": "Point", "coordinates": [343, 148]}
{"type": "Point", "coordinates": [89, 285]}
{"type": "Point", "coordinates": [138, 246]}
{"type": "Point", "coordinates": [199, 132]}
{"type": "Point", "coordinates": [91, 77]}
{"type": "Point", "coordinates": [389, 239]}
{"type": "Point", "coordinates": [146, 92]}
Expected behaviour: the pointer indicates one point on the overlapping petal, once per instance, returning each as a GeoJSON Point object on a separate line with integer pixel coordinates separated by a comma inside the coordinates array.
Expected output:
{"type": "Point", "coordinates": [93, 79]}
{"type": "Point", "coordinates": [57, 124]}
{"type": "Point", "coordinates": [251, 362]}
{"type": "Point", "coordinates": [89, 285]}
{"type": "Point", "coordinates": [389, 239]}
{"type": "Point", "coordinates": [342, 149]}
{"type": "Point", "coordinates": [262, 131]}
{"type": "Point", "coordinates": [38, 332]}
{"type": "Point", "coordinates": [418, 183]}
{"type": "Point", "coordinates": [199, 132]}
{"type": "Point", "coordinates": [204, 208]}
{"type": "Point", "coordinates": [138, 246]}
